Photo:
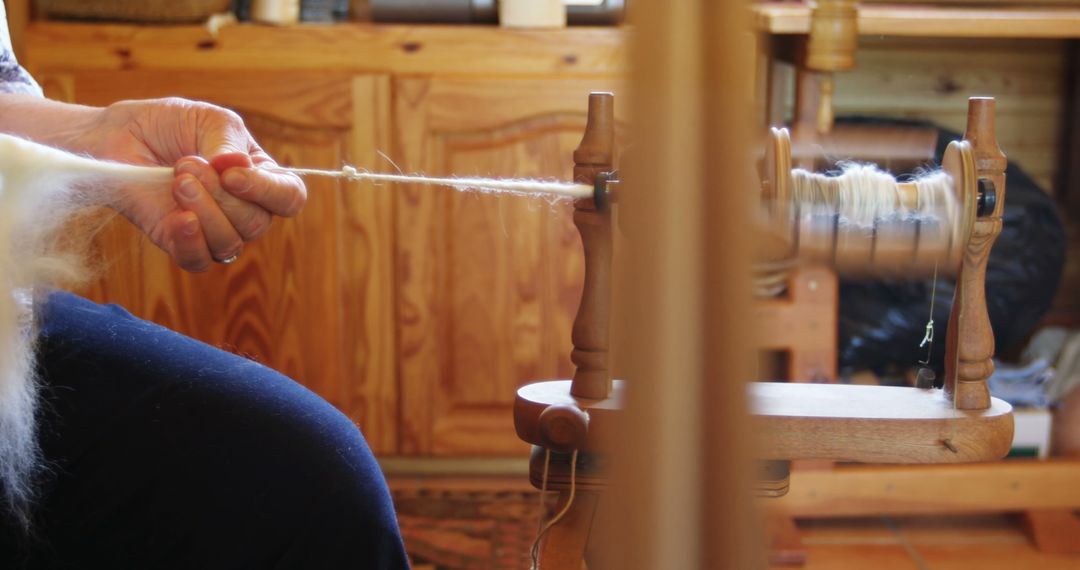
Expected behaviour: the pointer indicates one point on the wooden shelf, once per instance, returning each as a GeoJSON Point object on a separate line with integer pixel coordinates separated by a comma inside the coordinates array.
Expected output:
{"type": "Point", "coordinates": [862, 491]}
{"type": "Point", "coordinates": [925, 21]}
{"type": "Point", "coordinates": [468, 50]}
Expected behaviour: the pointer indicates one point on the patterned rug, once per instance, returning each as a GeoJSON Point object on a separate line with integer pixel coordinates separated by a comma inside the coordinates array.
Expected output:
{"type": "Point", "coordinates": [473, 523]}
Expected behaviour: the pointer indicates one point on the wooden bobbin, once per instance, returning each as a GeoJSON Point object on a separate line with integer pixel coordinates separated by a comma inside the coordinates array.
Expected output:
{"type": "Point", "coordinates": [830, 47]}
{"type": "Point", "coordinates": [969, 345]}
{"type": "Point", "coordinates": [889, 250]}
{"type": "Point", "coordinates": [834, 35]}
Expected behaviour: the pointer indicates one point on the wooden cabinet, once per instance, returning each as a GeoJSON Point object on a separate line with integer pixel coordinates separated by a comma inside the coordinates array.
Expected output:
{"type": "Point", "coordinates": [488, 285]}
{"type": "Point", "coordinates": [415, 310]}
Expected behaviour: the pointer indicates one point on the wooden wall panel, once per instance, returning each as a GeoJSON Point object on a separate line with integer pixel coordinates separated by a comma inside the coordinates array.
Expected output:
{"type": "Point", "coordinates": [367, 261]}
{"type": "Point", "coordinates": [932, 79]}
{"type": "Point", "coordinates": [489, 285]}
{"type": "Point", "coordinates": [300, 98]}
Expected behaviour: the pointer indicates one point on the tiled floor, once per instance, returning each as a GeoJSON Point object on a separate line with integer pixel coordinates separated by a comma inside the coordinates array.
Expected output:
{"type": "Point", "coordinates": [995, 542]}
{"type": "Point", "coordinates": [490, 522]}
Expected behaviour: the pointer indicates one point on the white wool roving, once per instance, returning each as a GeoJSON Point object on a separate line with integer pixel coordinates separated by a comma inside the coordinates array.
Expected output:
{"type": "Point", "coordinates": [41, 188]}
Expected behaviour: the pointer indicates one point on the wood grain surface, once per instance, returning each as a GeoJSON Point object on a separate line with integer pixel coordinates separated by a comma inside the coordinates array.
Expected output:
{"type": "Point", "coordinates": [1008, 486]}
{"type": "Point", "coordinates": [874, 424]}
{"type": "Point", "coordinates": [1017, 21]}
{"type": "Point", "coordinates": [488, 285]}
{"type": "Point", "coordinates": [358, 48]}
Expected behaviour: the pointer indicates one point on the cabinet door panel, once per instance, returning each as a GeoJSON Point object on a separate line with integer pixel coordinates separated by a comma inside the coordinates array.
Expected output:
{"type": "Point", "coordinates": [488, 284]}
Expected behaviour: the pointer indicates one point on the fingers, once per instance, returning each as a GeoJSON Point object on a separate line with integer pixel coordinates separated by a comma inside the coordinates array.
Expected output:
{"type": "Point", "coordinates": [192, 194]}
{"type": "Point", "coordinates": [186, 242]}
{"type": "Point", "coordinates": [231, 151]}
{"type": "Point", "coordinates": [249, 220]}
{"type": "Point", "coordinates": [280, 193]}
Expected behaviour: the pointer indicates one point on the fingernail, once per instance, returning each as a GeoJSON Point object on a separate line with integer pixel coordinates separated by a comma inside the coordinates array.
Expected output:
{"type": "Point", "coordinates": [235, 181]}
{"type": "Point", "coordinates": [188, 188]}
{"type": "Point", "coordinates": [190, 227]}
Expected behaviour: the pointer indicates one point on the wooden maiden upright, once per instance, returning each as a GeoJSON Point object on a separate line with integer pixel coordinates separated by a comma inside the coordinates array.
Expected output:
{"type": "Point", "coordinates": [968, 364]}
{"type": "Point", "coordinates": [594, 156]}
{"type": "Point", "coordinates": [565, 417]}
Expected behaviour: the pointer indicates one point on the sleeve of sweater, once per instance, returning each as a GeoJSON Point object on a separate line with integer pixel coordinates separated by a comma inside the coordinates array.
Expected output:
{"type": "Point", "coordinates": [13, 78]}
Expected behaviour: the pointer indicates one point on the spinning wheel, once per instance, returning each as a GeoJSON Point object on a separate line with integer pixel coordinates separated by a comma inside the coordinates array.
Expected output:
{"type": "Point", "coordinates": [568, 420]}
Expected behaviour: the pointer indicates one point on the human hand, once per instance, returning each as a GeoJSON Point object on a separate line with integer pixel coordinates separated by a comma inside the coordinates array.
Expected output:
{"type": "Point", "coordinates": [222, 195]}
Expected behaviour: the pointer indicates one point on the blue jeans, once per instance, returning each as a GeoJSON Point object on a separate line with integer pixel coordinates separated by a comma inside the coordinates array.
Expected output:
{"type": "Point", "coordinates": [164, 452]}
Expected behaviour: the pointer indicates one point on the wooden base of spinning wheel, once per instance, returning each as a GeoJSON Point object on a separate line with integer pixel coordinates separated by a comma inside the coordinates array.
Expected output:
{"type": "Point", "coordinates": [561, 433]}
{"type": "Point", "coordinates": [555, 422]}
{"type": "Point", "coordinates": [874, 424]}
{"type": "Point", "coordinates": [579, 487]}
{"type": "Point", "coordinates": [864, 424]}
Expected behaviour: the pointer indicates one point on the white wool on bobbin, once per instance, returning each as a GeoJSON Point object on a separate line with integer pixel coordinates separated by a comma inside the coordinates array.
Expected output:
{"type": "Point", "coordinates": [862, 197]}
{"type": "Point", "coordinates": [862, 194]}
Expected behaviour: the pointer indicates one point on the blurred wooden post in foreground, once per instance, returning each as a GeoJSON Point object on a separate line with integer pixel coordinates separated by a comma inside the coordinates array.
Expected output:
{"type": "Point", "coordinates": [682, 303]}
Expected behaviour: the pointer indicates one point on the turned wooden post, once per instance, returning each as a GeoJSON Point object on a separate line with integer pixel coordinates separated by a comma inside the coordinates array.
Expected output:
{"type": "Point", "coordinates": [830, 47]}
{"type": "Point", "coordinates": [595, 154]}
{"type": "Point", "coordinates": [969, 347]}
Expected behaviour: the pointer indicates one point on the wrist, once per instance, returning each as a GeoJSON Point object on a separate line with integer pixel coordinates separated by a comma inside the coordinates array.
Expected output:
{"type": "Point", "coordinates": [93, 131]}
{"type": "Point", "coordinates": [62, 125]}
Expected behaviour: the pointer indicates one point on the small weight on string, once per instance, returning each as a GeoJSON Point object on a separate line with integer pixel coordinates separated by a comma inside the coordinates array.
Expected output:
{"type": "Point", "coordinates": [925, 377]}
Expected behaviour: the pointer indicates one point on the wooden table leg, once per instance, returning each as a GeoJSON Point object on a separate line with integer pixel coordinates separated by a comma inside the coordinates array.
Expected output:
{"type": "Point", "coordinates": [563, 547]}
{"type": "Point", "coordinates": [785, 541]}
{"type": "Point", "coordinates": [1054, 531]}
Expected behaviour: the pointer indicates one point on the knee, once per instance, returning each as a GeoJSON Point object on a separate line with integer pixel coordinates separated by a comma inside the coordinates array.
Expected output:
{"type": "Point", "coordinates": [349, 518]}
{"type": "Point", "coordinates": [358, 528]}
{"type": "Point", "coordinates": [309, 475]}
